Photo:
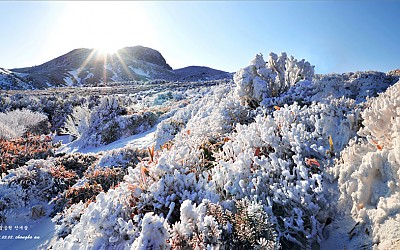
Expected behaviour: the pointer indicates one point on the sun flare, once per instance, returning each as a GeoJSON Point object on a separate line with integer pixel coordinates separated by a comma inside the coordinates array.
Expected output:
{"type": "Point", "coordinates": [107, 49]}
{"type": "Point", "coordinates": [106, 26]}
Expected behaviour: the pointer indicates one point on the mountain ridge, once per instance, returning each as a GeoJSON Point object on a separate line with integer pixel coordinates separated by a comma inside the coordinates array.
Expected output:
{"type": "Point", "coordinates": [84, 66]}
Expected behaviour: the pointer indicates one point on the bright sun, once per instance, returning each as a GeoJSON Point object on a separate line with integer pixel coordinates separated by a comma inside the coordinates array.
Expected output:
{"type": "Point", "coordinates": [106, 26]}
{"type": "Point", "coordinates": [107, 48]}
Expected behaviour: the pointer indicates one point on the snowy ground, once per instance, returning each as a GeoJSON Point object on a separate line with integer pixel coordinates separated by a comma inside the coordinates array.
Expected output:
{"type": "Point", "coordinates": [26, 233]}
{"type": "Point", "coordinates": [140, 141]}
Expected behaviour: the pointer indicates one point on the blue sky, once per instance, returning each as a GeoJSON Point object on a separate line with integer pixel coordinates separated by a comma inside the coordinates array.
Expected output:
{"type": "Point", "coordinates": [335, 36]}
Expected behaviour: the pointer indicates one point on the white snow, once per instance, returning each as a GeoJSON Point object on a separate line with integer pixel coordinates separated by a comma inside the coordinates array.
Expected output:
{"type": "Point", "coordinates": [21, 74]}
{"type": "Point", "coordinates": [74, 74]}
{"type": "Point", "coordinates": [115, 76]}
{"type": "Point", "coordinates": [68, 81]}
{"type": "Point", "coordinates": [89, 75]}
{"type": "Point", "coordinates": [139, 71]}
{"type": "Point", "coordinates": [140, 141]}
{"type": "Point", "coordinates": [26, 233]}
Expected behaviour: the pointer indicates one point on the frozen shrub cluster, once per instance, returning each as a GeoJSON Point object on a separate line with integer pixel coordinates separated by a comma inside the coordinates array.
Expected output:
{"type": "Point", "coordinates": [136, 123]}
{"type": "Point", "coordinates": [15, 124]}
{"type": "Point", "coordinates": [154, 234]}
{"type": "Point", "coordinates": [66, 220]}
{"type": "Point", "coordinates": [106, 123]}
{"type": "Point", "coordinates": [106, 223]}
{"type": "Point", "coordinates": [369, 170]}
{"type": "Point", "coordinates": [208, 225]}
{"type": "Point", "coordinates": [97, 126]}
{"type": "Point", "coordinates": [16, 152]}
{"type": "Point", "coordinates": [106, 178]}
{"type": "Point", "coordinates": [57, 106]}
{"type": "Point", "coordinates": [381, 118]}
{"type": "Point", "coordinates": [357, 86]}
{"type": "Point", "coordinates": [267, 159]}
{"type": "Point", "coordinates": [29, 185]}
{"type": "Point", "coordinates": [163, 97]}
{"type": "Point", "coordinates": [263, 79]}
{"type": "Point", "coordinates": [218, 109]}
{"type": "Point", "coordinates": [77, 124]}
{"type": "Point", "coordinates": [123, 157]}
{"type": "Point", "coordinates": [270, 160]}
{"type": "Point", "coordinates": [326, 88]}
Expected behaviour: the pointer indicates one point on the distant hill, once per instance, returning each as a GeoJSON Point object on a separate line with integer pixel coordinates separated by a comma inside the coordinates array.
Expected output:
{"type": "Point", "coordinates": [89, 66]}
{"type": "Point", "coordinates": [195, 73]}
{"type": "Point", "coordinates": [10, 80]}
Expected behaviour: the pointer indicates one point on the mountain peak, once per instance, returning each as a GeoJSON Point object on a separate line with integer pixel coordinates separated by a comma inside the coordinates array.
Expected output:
{"type": "Point", "coordinates": [144, 54]}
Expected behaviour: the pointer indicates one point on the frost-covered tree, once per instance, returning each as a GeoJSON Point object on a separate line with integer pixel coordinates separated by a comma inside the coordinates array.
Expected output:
{"type": "Point", "coordinates": [95, 126]}
{"type": "Point", "coordinates": [16, 123]}
{"type": "Point", "coordinates": [263, 79]}
{"type": "Point", "coordinates": [77, 124]}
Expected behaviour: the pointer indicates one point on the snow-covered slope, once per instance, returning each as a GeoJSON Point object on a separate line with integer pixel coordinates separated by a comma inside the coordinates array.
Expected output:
{"type": "Point", "coordinates": [275, 158]}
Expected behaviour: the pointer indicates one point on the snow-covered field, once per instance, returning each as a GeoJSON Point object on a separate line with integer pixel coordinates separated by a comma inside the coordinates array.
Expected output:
{"type": "Point", "coordinates": [277, 158]}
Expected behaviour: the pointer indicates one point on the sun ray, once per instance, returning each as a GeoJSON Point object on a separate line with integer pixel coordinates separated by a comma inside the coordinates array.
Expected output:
{"type": "Point", "coordinates": [125, 68]}
{"type": "Point", "coordinates": [88, 58]}
{"type": "Point", "coordinates": [105, 69]}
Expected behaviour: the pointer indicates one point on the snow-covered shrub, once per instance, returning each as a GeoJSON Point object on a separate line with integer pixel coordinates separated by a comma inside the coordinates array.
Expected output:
{"type": "Point", "coordinates": [79, 193]}
{"type": "Point", "coordinates": [17, 123]}
{"type": "Point", "coordinates": [218, 109]}
{"type": "Point", "coordinates": [161, 186]}
{"type": "Point", "coordinates": [209, 226]}
{"type": "Point", "coordinates": [29, 185]}
{"type": "Point", "coordinates": [97, 126]}
{"type": "Point", "coordinates": [252, 227]}
{"type": "Point", "coordinates": [357, 86]}
{"type": "Point", "coordinates": [63, 178]}
{"type": "Point", "coordinates": [67, 219]}
{"type": "Point", "coordinates": [382, 116]}
{"type": "Point", "coordinates": [136, 123]}
{"type": "Point", "coordinates": [94, 182]}
{"type": "Point", "coordinates": [195, 229]}
{"type": "Point", "coordinates": [349, 87]}
{"type": "Point", "coordinates": [105, 224]}
{"type": "Point", "coordinates": [123, 157]}
{"type": "Point", "coordinates": [77, 124]}
{"type": "Point", "coordinates": [279, 159]}
{"type": "Point", "coordinates": [163, 97]}
{"type": "Point", "coordinates": [154, 234]}
{"type": "Point", "coordinates": [263, 79]}
{"type": "Point", "coordinates": [56, 105]}
{"type": "Point", "coordinates": [369, 170]}
{"type": "Point", "coordinates": [106, 123]}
